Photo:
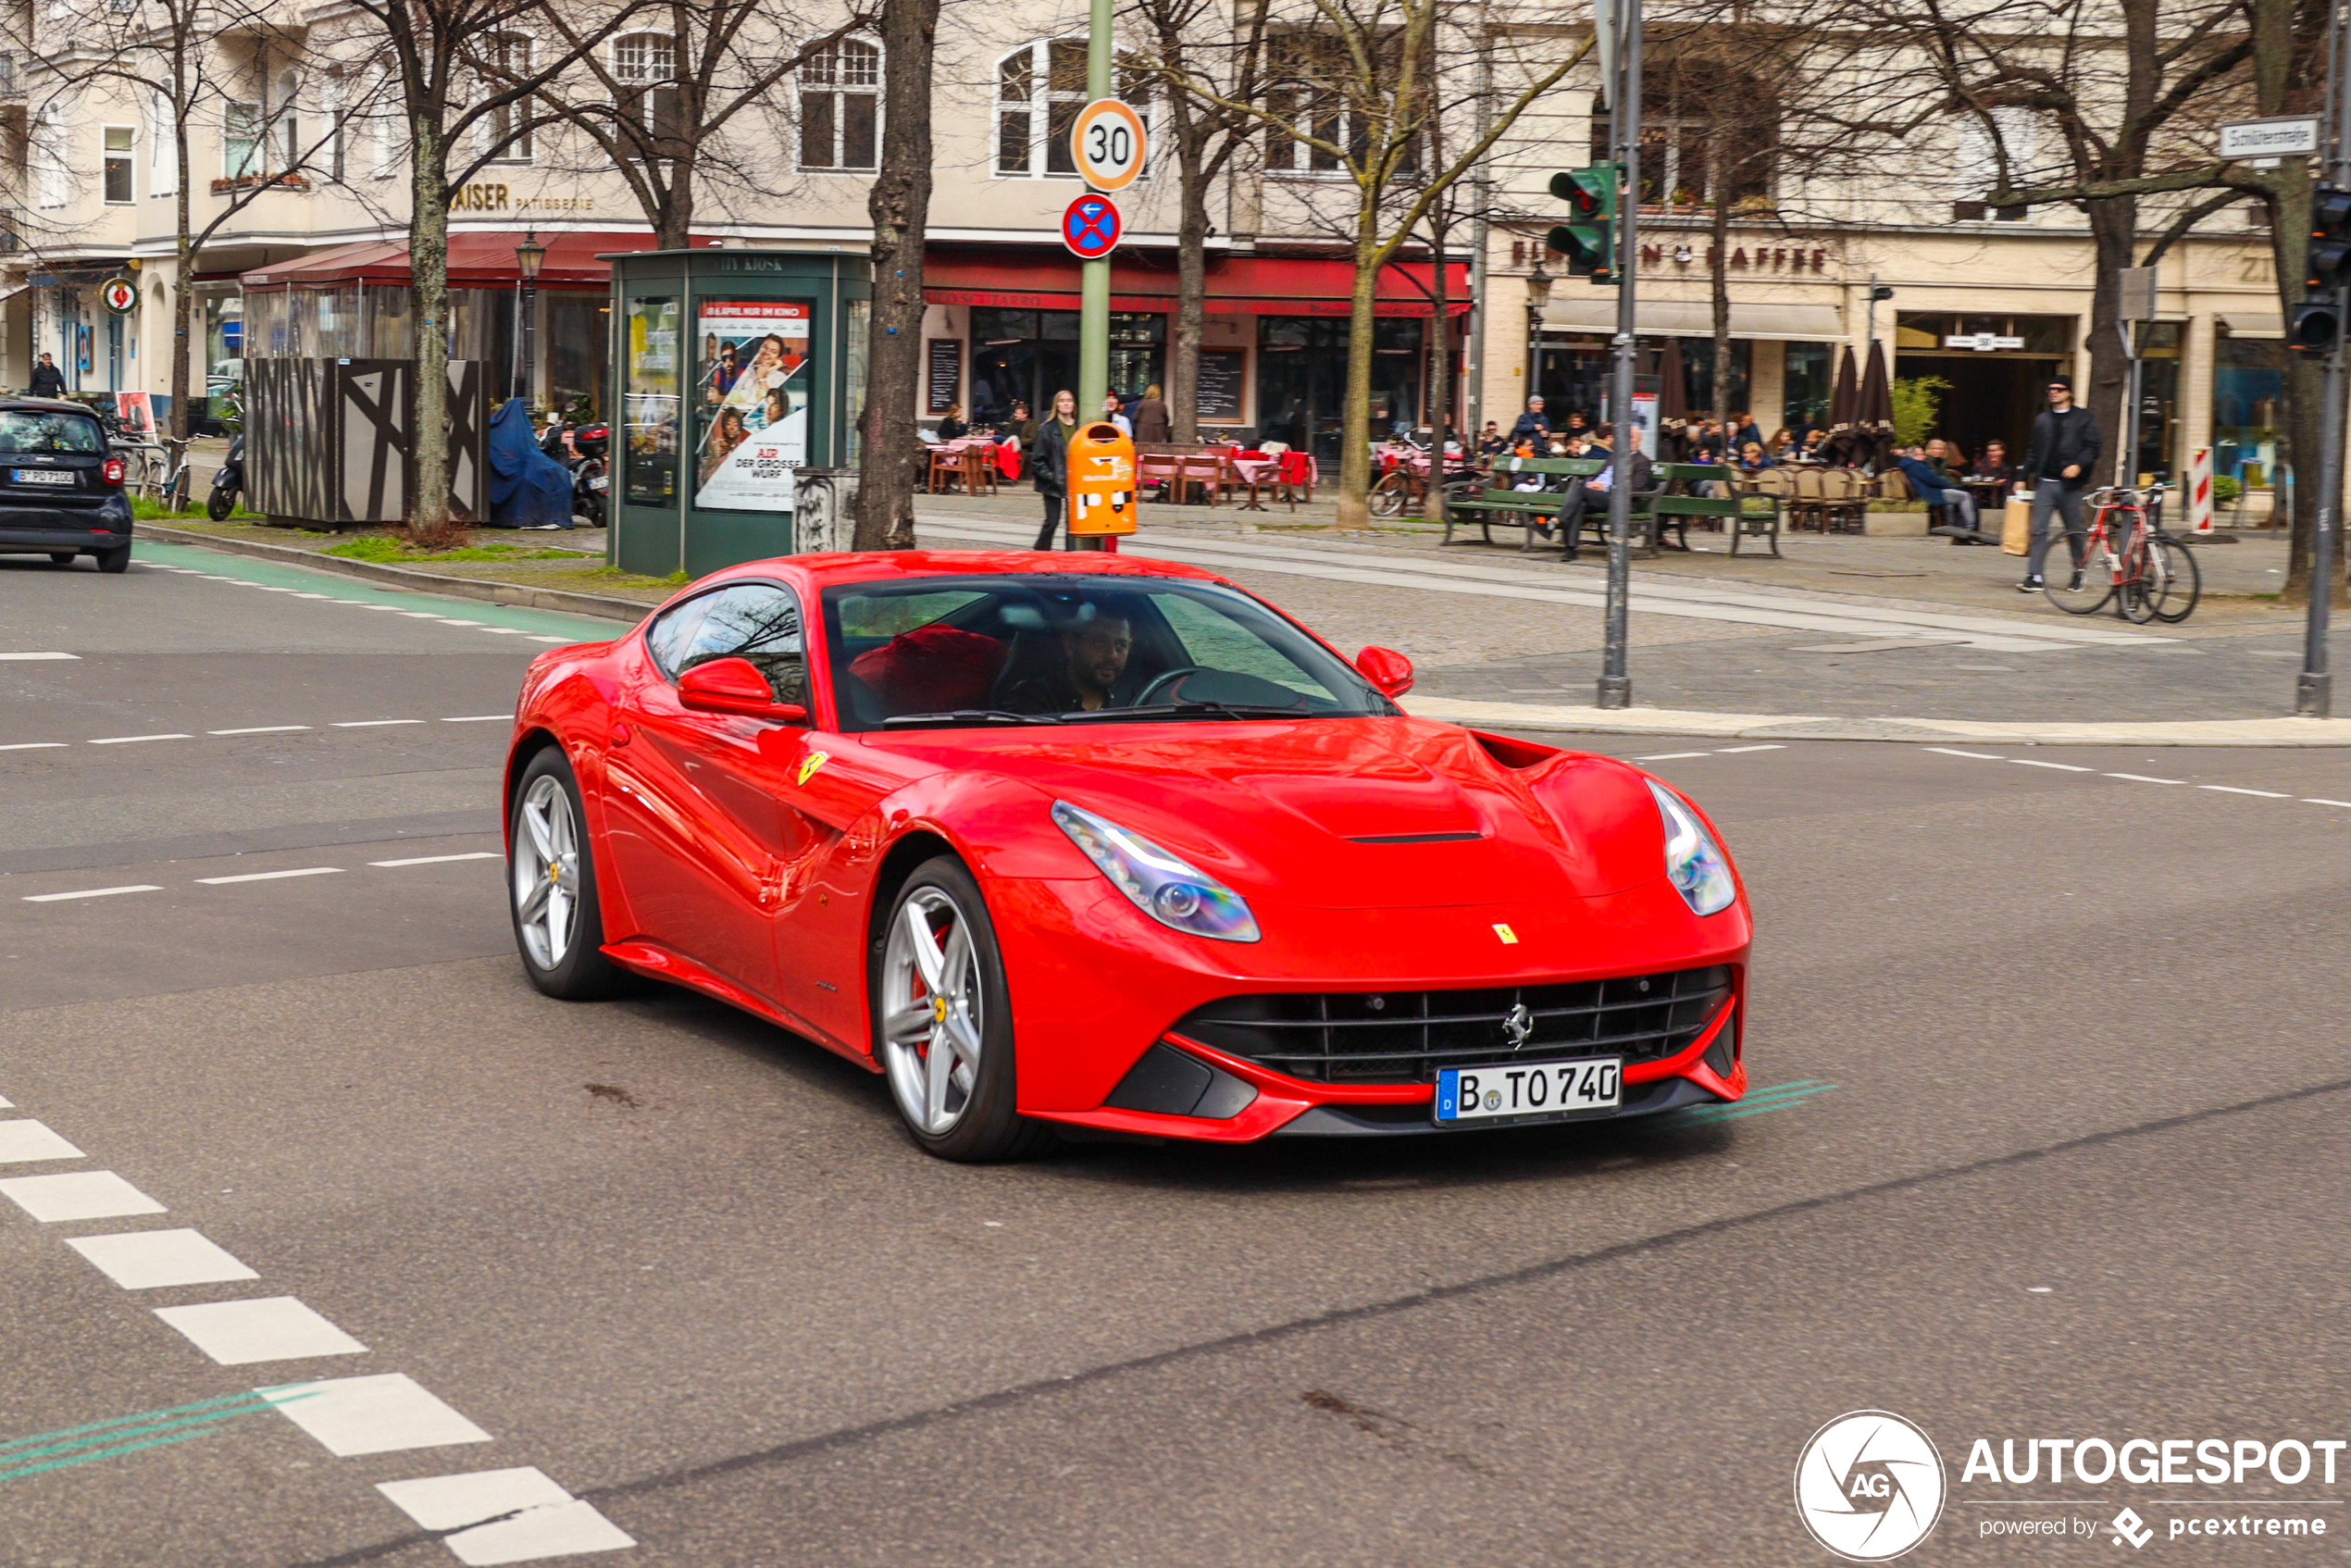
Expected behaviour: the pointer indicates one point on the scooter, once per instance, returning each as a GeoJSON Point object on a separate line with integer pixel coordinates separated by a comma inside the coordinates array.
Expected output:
{"type": "Point", "coordinates": [591, 476]}
{"type": "Point", "coordinates": [227, 480]}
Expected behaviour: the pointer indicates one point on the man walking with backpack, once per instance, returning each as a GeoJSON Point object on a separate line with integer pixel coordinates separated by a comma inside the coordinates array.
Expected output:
{"type": "Point", "coordinates": [2059, 465]}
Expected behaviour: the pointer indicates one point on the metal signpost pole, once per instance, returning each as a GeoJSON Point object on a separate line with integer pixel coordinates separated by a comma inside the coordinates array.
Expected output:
{"type": "Point", "coordinates": [2314, 689]}
{"type": "Point", "coordinates": [1093, 297]}
{"type": "Point", "coordinates": [1624, 132]}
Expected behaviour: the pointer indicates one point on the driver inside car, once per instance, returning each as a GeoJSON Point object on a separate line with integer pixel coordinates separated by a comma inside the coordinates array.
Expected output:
{"type": "Point", "coordinates": [1094, 650]}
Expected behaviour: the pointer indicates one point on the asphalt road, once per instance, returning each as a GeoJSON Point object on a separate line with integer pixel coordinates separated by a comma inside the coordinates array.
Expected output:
{"type": "Point", "coordinates": [2046, 1142]}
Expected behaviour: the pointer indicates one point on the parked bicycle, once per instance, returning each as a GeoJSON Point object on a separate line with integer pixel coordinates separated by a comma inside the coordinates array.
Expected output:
{"type": "Point", "coordinates": [2128, 561]}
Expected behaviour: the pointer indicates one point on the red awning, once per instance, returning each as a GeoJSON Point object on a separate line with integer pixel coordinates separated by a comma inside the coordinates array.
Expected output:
{"type": "Point", "coordinates": [1036, 279]}
{"type": "Point", "coordinates": [478, 259]}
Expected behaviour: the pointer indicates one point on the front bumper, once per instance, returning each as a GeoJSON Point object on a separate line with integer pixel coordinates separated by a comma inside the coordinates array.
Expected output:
{"type": "Point", "coordinates": [1096, 985]}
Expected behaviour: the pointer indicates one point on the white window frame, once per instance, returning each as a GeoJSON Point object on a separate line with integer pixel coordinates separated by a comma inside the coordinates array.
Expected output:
{"type": "Point", "coordinates": [129, 156]}
{"type": "Point", "coordinates": [256, 139]}
{"type": "Point", "coordinates": [1298, 157]}
{"type": "Point", "coordinates": [285, 126]}
{"type": "Point", "coordinates": [839, 88]}
{"type": "Point", "coordinates": [52, 177]}
{"type": "Point", "coordinates": [486, 132]}
{"type": "Point", "coordinates": [163, 146]}
{"type": "Point", "coordinates": [658, 66]}
{"type": "Point", "coordinates": [334, 92]}
{"type": "Point", "coordinates": [1038, 106]}
{"type": "Point", "coordinates": [383, 159]}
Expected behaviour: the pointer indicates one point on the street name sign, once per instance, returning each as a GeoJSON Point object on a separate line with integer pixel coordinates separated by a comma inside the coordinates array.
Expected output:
{"type": "Point", "coordinates": [1109, 144]}
{"type": "Point", "coordinates": [1090, 226]}
{"type": "Point", "coordinates": [2283, 136]}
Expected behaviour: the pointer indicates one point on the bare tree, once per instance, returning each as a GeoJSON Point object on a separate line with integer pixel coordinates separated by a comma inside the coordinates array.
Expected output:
{"type": "Point", "coordinates": [658, 108]}
{"type": "Point", "coordinates": [889, 455]}
{"type": "Point", "coordinates": [1354, 84]}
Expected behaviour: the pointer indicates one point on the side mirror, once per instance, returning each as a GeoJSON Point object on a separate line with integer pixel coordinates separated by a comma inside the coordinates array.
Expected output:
{"type": "Point", "coordinates": [735, 686]}
{"type": "Point", "coordinates": [1388, 670]}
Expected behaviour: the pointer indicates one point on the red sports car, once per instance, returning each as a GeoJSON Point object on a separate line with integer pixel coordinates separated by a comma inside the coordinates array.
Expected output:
{"type": "Point", "coordinates": [1097, 841]}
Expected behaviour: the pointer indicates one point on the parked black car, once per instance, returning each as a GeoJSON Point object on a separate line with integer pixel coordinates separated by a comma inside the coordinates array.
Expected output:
{"type": "Point", "coordinates": [61, 490]}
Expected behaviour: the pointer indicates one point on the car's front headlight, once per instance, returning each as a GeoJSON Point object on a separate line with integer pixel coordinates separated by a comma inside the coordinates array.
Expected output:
{"type": "Point", "coordinates": [1693, 860]}
{"type": "Point", "coordinates": [1167, 888]}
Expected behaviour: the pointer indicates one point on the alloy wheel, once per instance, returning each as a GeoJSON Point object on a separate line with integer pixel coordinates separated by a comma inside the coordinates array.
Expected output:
{"type": "Point", "coordinates": [546, 871]}
{"type": "Point", "coordinates": [935, 1009]}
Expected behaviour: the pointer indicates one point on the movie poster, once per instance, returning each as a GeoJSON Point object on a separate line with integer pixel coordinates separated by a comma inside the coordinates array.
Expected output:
{"type": "Point", "coordinates": [752, 388]}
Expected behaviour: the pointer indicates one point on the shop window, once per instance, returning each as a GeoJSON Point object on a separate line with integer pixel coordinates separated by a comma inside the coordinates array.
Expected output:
{"type": "Point", "coordinates": [1810, 373]}
{"type": "Point", "coordinates": [645, 67]}
{"type": "Point", "coordinates": [1314, 87]}
{"type": "Point", "coordinates": [240, 139]}
{"type": "Point", "coordinates": [1697, 375]}
{"type": "Point", "coordinates": [117, 164]}
{"type": "Point", "coordinates": [840, 102]}
{"type": "Point", "coordinates": [2248, 390]}
{"type": "Point", "coordinates": [1039, 89]}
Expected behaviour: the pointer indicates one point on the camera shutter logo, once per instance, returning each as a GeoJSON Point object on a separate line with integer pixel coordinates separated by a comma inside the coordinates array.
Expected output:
{"type": "Point", "coordinates": [1870, 1486]}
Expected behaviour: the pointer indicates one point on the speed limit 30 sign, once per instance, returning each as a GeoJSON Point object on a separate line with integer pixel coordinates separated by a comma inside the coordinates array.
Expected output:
{"type": "Point", "coordinates": [1108, 142]}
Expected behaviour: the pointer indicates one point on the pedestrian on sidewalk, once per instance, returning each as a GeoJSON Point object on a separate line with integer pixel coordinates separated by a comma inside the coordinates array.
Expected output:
{"type": "Point", "coordinates": [1048, 460]}
{"type": "Point", "coordinates": [47, 380]}
{"type": "Point", "coordinates": [2058, 465]}
{"type": "Point", "coordinates": [1151, 421]}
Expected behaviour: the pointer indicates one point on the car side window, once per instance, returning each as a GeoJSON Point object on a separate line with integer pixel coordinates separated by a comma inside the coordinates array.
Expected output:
{"type": "Point", "coordinates": [754, 620]}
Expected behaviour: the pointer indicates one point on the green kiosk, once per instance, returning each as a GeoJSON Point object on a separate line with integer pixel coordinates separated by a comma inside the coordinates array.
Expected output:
{"type": "Point", "coordinates": [736, 371]}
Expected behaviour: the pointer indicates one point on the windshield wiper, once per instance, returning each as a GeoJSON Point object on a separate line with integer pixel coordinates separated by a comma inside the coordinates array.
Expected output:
{"type": "Point", "coordinates": [970, 716]}
{"type": "Point", "coordinates": [1178, 710]}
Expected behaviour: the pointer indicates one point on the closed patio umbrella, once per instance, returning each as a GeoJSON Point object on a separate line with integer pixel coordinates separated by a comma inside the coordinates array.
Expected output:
{"type": "Point", "coordinates": [1673, 405]}
{"type": "Point", "coordinates": [1873, 418]}
{"type": "Point", "coordinates": [1843, 397]}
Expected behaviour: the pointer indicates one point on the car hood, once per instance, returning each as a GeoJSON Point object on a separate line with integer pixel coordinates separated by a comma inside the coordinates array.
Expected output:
{"type": "Point", "coordinates": [1341, 814]}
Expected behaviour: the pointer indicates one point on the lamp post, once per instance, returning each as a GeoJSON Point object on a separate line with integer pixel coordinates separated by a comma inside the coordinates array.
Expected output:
{"type": "Point", "coordinates": [528, 256]}
{"type": "Point", "coordinates": [1538, 294]}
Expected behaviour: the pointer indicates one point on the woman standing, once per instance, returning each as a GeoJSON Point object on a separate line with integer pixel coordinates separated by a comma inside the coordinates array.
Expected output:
{"type": "Point", "coordinates": [1048, 460]}
{"type": "Point", "coordinates": [1152, 423]}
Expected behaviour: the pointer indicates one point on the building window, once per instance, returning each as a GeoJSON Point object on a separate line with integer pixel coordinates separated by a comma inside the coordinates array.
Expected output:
{"type": "Point", "coordinates": [507, 132]}
{"type": "Point", "coordinates": [645, 65]}
{"type": "Point", "coordinates": [1039, 89]}
{"type": "Point", "coordinates": [163, 145]}
{"type": "Point", "coordinates": [52, 181]}
{"type": "Point", "coordinates": [1977, 162]}
{"type": "Point", "coordinates": [240, 139]}
{"type": "Point", "coordinates": [383, 150]}
{"type": "Point", "coordinates": [118, 139]}
{"type": "Point", "coordinates": [287, 138]}
{"type": "Point", "coordinates": [1313, 82]}
{"type": "Point", "coordinates": [838, 97]}
{"type": "Point", "coordinates": [1709, 134]}
{"type": "Point", "coordinates": [334, 103]}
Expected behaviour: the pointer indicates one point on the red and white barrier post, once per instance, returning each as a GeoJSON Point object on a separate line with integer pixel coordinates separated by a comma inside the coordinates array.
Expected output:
{"type": "Point", "coordinates": [2200, 490]}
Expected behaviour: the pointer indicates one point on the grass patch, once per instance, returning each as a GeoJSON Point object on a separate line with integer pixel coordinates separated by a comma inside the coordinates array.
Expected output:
{"type": "Point", "coordinates": [155, 511]}
{"type": "Point", "coordinates": [675, 579]}
{"type": "Point", "coordinates": [387, 551]}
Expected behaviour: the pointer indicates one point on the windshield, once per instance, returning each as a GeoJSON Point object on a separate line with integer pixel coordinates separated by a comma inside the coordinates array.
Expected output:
{"type": "Point", "coordinates": [1071, 649]}
{"type": "Point", "coordinates": [24, 431]}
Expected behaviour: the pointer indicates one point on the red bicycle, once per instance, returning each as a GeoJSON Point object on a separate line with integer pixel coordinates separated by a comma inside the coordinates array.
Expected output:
{"type": "Point", "coordinates": [2128, 561]}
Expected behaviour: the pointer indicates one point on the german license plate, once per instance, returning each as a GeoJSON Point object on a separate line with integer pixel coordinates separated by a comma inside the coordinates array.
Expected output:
{"type": "Point", "coordinates": [43, 475]}
{"type": "Point", "coordinates": [1528, 1091]}
{"type": "Point", "coordinates": [599, 481]}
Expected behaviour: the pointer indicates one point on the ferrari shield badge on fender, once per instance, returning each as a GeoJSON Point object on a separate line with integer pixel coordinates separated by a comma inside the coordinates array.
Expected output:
{"type": "Point", "coordinates": [1509, 938]}
{"type": "Point", "coordinates": [810, 762]}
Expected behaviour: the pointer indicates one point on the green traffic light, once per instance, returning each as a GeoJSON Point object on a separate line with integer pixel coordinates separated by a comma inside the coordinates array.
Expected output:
{"type": "Point", "coordinates": [1588, 238]}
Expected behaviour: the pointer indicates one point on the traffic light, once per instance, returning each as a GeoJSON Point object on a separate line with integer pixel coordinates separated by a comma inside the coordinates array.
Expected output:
{"type": "Point", "coordinates": [2315, 327]}
{"type": "Point", "coordinates": [2330, 239]}
{"type": "Point", "coordinates": [1588, 237]}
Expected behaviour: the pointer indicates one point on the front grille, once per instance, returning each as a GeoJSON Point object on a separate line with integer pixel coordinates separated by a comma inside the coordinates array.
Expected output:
{"type": "Point", "coordinates": [1403, 1037]}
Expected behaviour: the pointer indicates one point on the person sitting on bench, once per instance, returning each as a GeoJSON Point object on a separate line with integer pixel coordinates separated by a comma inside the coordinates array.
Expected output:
{"type": "Point", "coordinates": [1595, 490]}
{"type": "Point", "coordinates": [1929, 486]}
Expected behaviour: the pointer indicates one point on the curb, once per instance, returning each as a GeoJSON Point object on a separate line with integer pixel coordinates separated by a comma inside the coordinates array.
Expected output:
{"type": "Point", "coordinates": [560, 599]}
{"type": "Point", "coordinates": [2232, 732]}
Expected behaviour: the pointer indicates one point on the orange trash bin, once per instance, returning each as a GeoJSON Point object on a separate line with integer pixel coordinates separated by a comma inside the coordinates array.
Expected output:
{"type": "Point", "coordinates": [1101, 482]}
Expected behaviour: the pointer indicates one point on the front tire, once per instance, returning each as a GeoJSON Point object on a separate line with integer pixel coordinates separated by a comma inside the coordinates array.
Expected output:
{"type": "Point", "coordinates": [551, 886]}
{"type": "Point", "coordinates": [219, 503]}
{"type": "Point", "coordinates": [943, 1021]}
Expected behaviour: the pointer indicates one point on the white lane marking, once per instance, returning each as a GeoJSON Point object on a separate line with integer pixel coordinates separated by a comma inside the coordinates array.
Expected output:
{"type": "Point", "coordinates": [392, 607]}
{"type": "Point", "coordinates": [327, 596]}
{"type": "Point", "coordinates": [35, 746]}
{"type": "Point", "coordinates": [28, 658]}
{"type": "Point", "coordinates": [372, 723]}
{"type": "Point", "coordinates": [2318, 801]}
{"type": "Point", "coordinates": [21, 1142]}
{"type": "Point", "coordinates": [505, 631]}
{"type": "Point", "coordinates": [260, 729]}
{"type": "Point", "coordinates": [420, 614]}
{"type": "Point", "coordinates": [272, 875]}
{"type": "Point", "coordinates": [78, 1195]}
{"type": "Point", "coordinates": [552, 639]}
{"type": "Point", "coordinates": [134, 739]}
{"type": "Point", "coordinates": [479, 718]}
{"type": "Point", "coordinates": [448, 620]}
{"type": "Point", "coordinates": [1671, 756]}
{"type": "Point", "coordinates": [1735, 751]}
{"type": "Point", "coordinates": [2061, 766]}
{"type": "Point", "coordinates": [438, 859]}
{"type": "Point", "coordinates": [360, 1416]}
{"type": "Point", "coordinates": [1976, 757]}
{"type": "Point", "coordinates": [2144, 778]}
{"type": "Point", "coordinates": [7, 1104]}
{"type": "Point", "coordinates": [2233, 789]}
{"type": "Point", "coordinates": [93, 893]}
{"type": "Point", "coordinates": [259, 1330]}
{"type": "Point", "coordinates": [149, 1260]}
{"type": "Point", "coordinates": [504, 1515]}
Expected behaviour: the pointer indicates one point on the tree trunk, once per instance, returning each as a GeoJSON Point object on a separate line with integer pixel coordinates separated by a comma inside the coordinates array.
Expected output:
{"type": "Point", "coordinates": [1438, 404]}
{"type": "Point", "coordinates": [1355, 420]}
{"type": "Point", "coordinates": [429, 283]}
{"type": "Point", "coordinates": [899, 203]}
{"type": "Point", "coordinates": [2113, 222]}
{"type": "Point", "coordinates": [674, 225]}
{"type": "Point", "coordinates": [1191, 297]}
{"type": "Point", "coordinates": [1718, 268]}
{"type": "Point", "coordinates": [183, 297]}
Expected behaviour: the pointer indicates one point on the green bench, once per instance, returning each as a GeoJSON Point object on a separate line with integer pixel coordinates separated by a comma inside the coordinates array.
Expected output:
{"type": "Point", "coordinates": [1520, 509]}
{"type": "Point", "coordinates": [1744, 515]}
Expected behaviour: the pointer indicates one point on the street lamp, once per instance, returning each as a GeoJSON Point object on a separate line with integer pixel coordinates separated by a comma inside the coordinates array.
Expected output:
{"type": "Point", "coordinates": [1538, 294]}
{"type": "Point", "coordinates": [528, 257]}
